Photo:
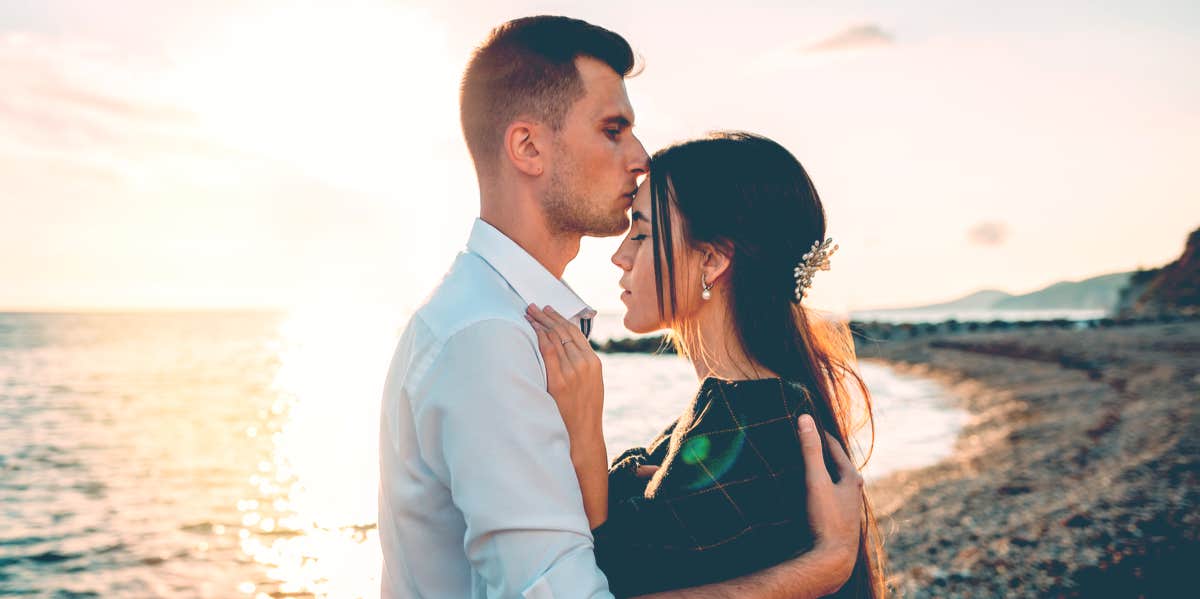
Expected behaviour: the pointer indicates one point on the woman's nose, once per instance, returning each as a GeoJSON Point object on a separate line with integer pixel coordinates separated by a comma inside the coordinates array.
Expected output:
{"type": "Point", "coordinates": [620, 260]}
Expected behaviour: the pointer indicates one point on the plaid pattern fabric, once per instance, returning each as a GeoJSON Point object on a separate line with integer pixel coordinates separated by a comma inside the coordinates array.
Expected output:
{"type": "Point", "coordinates": [728, 498]}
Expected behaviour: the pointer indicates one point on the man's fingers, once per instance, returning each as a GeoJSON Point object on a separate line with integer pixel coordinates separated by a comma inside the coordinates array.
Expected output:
{"type": "Point", "coordinates": [846, 468]}
{"type": "Point", "coordinates": [645, 471]}
{"type": "Point", "coordinates": [810, 446]}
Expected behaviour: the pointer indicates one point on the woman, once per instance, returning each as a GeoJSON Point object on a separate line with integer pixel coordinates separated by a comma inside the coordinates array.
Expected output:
{"type": "Point", "coordinates": [726, 234]}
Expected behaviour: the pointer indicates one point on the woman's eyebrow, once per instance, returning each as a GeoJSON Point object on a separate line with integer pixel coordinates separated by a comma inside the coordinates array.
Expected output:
{"type": "Point", "coordinates": [636, 216]}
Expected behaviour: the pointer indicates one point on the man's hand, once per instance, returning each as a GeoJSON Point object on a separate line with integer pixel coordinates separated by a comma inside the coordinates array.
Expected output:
{"type": "Point", "coordinates": [645, 471]}
{"type": "Point", "coordinates": [834, 510]}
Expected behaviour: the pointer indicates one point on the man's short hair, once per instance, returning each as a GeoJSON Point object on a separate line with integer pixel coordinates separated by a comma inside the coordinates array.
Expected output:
{"type": "Point", "coordinates": [526, 68]}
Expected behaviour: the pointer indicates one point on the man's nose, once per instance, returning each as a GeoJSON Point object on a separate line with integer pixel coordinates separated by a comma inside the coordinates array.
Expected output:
{"type": "Point", "coordinates": [641, 160]}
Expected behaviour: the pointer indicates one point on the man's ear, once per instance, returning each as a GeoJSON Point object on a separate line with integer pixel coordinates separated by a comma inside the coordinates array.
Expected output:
{"type": "Point", "coordinates": [715, 262]}
{"type": "Point", "coordinates": [521, 146]}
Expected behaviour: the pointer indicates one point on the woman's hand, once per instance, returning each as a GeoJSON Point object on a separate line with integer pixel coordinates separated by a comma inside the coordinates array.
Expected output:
{"type": "Point", "coordinates": [575, 380]}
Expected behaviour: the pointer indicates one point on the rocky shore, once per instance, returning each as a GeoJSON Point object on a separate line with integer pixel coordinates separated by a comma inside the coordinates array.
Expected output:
{"type": "Point", "coordinates": [870, 334]}
{"type": "Point", "coordinates": [1076, 475]}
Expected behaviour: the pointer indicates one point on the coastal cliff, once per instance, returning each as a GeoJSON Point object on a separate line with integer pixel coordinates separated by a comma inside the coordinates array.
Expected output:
{"type": "Point", "coordinates": [1174, 288]}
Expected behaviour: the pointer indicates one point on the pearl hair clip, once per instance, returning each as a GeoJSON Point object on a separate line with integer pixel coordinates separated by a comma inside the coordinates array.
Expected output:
{"type": "Point", "coordinates": [817, 258]}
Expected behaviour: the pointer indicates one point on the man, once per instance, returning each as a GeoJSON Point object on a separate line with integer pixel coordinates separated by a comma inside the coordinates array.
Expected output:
{"type": "Point", "coordinates": [478, 495]}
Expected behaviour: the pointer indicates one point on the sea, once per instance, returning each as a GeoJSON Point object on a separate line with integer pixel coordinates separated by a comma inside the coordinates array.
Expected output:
{"type": "Point", "coordinates": [980, 315]}
{"type": "Point", "coordinates": [233, 454]}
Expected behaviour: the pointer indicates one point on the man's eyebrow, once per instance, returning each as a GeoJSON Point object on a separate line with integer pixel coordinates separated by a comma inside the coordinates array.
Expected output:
{"type": "Point", "coordinates": [618, 119]}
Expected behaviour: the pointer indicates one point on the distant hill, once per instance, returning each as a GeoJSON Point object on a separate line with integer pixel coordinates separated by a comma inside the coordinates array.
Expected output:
{"type": "Point", "coordinates": [1172, 288]}
{"type": "Point", "coordinates": [980, 300]}
{"type": "Point", "coordinates": [1096, 293]}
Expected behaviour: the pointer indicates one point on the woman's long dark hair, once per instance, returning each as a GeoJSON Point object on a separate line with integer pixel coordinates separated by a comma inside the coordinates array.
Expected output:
{"type": "Point", "coordinates": [749, 196]}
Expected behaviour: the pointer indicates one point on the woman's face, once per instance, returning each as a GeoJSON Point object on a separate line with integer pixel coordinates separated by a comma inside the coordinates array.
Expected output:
{"type": "Point", "coordinates": [635, 257]}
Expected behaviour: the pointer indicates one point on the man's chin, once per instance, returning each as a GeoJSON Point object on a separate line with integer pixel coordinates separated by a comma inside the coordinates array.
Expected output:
{"type": "Point", "coordinates": [610, 229]}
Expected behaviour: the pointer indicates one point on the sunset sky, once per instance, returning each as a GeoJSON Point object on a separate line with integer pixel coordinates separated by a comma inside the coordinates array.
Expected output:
{"type": "Point", "coordinates": [287, 154]}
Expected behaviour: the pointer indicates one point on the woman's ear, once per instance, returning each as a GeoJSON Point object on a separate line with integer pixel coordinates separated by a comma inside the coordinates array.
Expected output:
{"type": "Point", "coordinates": [715, 262]}
{"type": "Point", "coordinates": [521, 147]}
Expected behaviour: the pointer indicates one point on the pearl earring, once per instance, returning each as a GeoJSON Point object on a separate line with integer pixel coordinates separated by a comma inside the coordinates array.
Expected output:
{"type": "Point", "coordinates": [707, 293]}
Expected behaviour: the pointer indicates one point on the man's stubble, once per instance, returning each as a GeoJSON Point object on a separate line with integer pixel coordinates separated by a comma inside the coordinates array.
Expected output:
{"type": "Point", "coordinates": [572, 207]}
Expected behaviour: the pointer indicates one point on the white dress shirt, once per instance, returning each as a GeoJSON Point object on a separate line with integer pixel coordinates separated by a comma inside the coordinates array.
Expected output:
{"type": "Point", "coordinates": [478, 497]}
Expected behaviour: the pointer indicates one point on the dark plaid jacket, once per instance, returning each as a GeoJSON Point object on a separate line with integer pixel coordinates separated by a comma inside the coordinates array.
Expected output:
{"type": "Point", "coordinates": [728, 498]}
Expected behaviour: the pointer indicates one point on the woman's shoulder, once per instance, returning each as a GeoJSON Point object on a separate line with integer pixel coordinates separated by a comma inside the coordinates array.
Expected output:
{"type": "Point", "coordinates": [752, 400]}
{"type": "Point", "coordinates": [730, 417]}
{"type": "Point", "coordinates": [741, 438]}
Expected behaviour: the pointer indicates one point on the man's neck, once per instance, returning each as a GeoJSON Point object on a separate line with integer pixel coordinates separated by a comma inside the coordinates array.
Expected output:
{"type": "Point", "coordinates": [531, 231]}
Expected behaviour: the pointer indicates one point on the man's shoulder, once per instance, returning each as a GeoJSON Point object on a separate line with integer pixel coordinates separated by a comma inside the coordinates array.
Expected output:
{"type": "Point", "coordinates": [471, 295]}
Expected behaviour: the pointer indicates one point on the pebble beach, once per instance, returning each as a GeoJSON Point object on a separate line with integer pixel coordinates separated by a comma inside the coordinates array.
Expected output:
{"type": "Point", "coordinates": [1075, 474]}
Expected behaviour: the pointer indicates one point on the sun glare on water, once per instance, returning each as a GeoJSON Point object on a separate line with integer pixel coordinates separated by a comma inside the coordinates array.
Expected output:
{"type": "Point", "coordinates": [309, 513]}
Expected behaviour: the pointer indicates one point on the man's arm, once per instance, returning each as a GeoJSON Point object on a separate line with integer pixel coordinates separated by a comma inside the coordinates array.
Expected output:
{"type": "Point", "coordinates": [805, 577]}
{"type": "Point", "coordinates": [494, 436]}
{"type": "Point", "coordinates": [834, 510]}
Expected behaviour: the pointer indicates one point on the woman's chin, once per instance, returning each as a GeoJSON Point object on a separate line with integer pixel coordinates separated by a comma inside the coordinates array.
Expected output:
{"type": "Point", "coordinates": [638, 328]}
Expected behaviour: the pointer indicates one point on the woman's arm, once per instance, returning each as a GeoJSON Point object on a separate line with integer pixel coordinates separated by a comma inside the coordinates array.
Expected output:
{"type": "Point", "coordinates": [575, 381]}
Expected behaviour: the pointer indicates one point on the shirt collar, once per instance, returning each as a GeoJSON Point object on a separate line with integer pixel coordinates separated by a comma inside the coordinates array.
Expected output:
{"type": "Point", "coordinates": [525, 274]}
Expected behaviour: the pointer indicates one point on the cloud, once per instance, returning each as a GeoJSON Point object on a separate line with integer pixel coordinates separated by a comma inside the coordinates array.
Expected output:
{"type": "Point", "coordinates": [62, 97]}
{"type": "Point", "coordinates": [852, 38]}
{"type": "Point", "coordinates": [988, 233]}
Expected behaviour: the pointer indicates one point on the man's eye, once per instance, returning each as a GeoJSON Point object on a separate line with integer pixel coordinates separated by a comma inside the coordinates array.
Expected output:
{"type": "Point", "coordinates": [612, 133]}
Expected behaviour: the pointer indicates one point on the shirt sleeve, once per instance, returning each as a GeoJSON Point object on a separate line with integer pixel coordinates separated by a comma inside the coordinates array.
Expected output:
{"type": "Point", "coordinates": [492, 434]}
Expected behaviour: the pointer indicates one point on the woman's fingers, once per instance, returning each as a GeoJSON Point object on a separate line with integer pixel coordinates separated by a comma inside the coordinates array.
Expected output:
{"type": "Point", "coordinates": [544, 318]}
{"type": "Point", "coordinates": [566, 328]}
{"type": "Point", "coordinates": [545, 345]}
{"type": "Point", "coordinates": [536, 316]}
{"type": "Point", "coordinates": [810, 446]}
{"type": "Point", "coordinates": [555, 346]}
{"type": "Point", "coordinates": [579, 351]}
{"type": "Point", "coordinates": [539, 316]}
{"type": "Point", "coordinates": [568, 336]}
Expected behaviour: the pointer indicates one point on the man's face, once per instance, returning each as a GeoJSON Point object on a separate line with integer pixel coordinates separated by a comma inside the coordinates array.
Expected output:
{"type": "Point", "coordinates": [596, 159]}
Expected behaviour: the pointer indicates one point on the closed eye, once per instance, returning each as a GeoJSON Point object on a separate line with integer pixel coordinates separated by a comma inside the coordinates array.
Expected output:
{"type": "Point", "coordinates": [638, 237]}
